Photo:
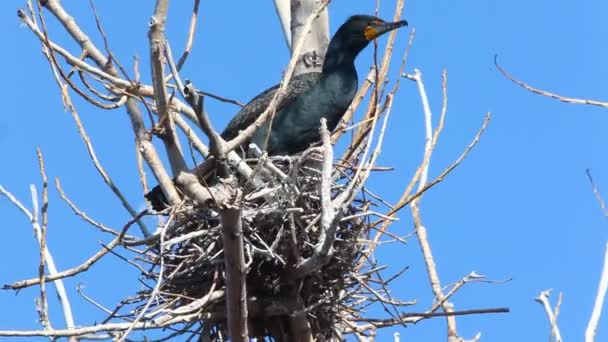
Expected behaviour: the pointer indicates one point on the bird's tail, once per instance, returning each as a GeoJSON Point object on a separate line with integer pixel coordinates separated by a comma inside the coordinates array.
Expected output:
{"type": "Point", "coordinates": [156, 198]}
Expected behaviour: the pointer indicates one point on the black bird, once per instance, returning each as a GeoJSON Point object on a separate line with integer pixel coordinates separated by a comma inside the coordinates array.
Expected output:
{"type": "Point", "coordinates": [309, 97]}
{"type": "Point", "coordinates": [312, 96]}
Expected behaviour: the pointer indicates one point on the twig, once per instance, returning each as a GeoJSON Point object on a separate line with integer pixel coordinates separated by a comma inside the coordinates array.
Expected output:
{"type": "Point", "coordinates": [50, 262]}
{"type": "Point", "coordinates": [421, 231]}
{"type": "Point", "coordinates": [159, 282]}
{"type": "Point", "coordinates": [194, 139]}
{"type": "Point", "coordinates": [546, 93]}
{"type": "Point", "coordinates": [599, 301]}
{"type": "Point", "coordinates": [81, 213]}
{"type": "Point", "coordinates": [322, 249]}
{"type": "Point", "coordinates": [102, 172]}
{"type": "Point", "coordinates": [450, 168]}
{"type": "Point", "coordinates": [81, 268]}
{"type": "Point", "coordinates": [147, 150]}
{"type": "Point", "coordinates": [80, 331]}
{"type": "Point", "coordinates": [597, 194]}
{"type": "Point", "coordinates": [191, 31]}
{"type": "Point", "coordinates": [471, 277]}
{"type": "Point", "coordinates": [111, 74]}
{"type": "Point", "coordinates": [543, 299]}
{"type": "Point", "coordinates": [217, 144]}
{"type": "Point", "coordinates": [416, 316]}
{"type": "Point", "coordinates": [348, 115]}
{"type": "Point", "coordinates": [68, 103]}
{"type": "Point", "coordinates": [44, 306]}
{"type": "Point", "coordinates": [221, 98]}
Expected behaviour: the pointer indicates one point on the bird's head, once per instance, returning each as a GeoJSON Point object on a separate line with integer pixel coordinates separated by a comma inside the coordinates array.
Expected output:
{"type": "Point", "coordinates": [353, 36]}
{"type": "Point", "coordinates": [359, 30]}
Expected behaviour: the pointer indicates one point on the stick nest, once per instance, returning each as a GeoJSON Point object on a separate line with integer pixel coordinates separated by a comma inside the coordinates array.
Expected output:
{"type": "Point", "coordinates": [281, 226]}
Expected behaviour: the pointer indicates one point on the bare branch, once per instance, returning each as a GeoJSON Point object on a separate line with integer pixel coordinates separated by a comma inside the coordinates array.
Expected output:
{"type": "Point", "coordinates": [156, 36]}
{"type": "Point", "coordinates": [322, 250]}
{"type": "Point", "coordinates": [236, 273]}
{"type": "Point", "coordinates": [217, 144]}
{"type": "Point", "coordinates": [156, 289]}
{"type": "Point", "coordinates": [599, 301]}
{"type": "Point", "coordinates": [543, 299]}
{"type": "Point", "coordinates": [150, 155]}
{"type": "Point", "coordinates": [413, 317]}
{"type": "Point", "coordinates": [81, 268]}
{"type": "Point", "coordinates": [43, 303]}
{"type": "Point", "coordinates": [190, 40]}
{"type": "Point", "coordinates": [50, 262]}
{"type": "Point", "coordinates": [597, 194]}
{"type": "Point", "coordinates": [547, 93]}
{"type": "Point", "coordinates": [421, 231]}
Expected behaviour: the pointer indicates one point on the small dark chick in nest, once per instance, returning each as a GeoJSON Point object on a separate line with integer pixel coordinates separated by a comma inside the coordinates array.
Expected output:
{"type": "Point", "coordinates": [309, 97]}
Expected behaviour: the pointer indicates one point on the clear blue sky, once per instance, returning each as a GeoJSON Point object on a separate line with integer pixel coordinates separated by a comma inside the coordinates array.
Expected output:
{"type": "Point", "coordinates": [519, 207]}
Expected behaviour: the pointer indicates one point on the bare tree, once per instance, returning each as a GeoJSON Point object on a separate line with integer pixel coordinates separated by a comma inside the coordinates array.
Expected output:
{"type": "Point", "coordinates": [278, 247]}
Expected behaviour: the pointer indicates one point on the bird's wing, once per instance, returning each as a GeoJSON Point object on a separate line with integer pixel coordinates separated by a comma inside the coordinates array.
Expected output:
{"type": "Point", "coordinates": [245, 117]}
{"type": "Point", "coordinates": [252, 110]}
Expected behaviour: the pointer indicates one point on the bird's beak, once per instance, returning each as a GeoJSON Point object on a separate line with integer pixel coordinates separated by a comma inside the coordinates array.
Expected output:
{"type": "Point", "coordinates": [374, 31]}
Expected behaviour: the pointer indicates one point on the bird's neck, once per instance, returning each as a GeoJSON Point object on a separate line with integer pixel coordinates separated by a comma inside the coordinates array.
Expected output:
{"type": "Point", "coordinates": [339, 58]}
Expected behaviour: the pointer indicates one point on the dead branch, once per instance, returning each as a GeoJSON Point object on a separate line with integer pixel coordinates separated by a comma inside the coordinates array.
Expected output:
{"type": "Point", "coordinates": [81, 268]}
{"type": "Point", "coordinates": [547, 93]}
{"type": "Point", "coordinates": [543, 299]}
{"type": "Point", "coordinates": [236, 271]}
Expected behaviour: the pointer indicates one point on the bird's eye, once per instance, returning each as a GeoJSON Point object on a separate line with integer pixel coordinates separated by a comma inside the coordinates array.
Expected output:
{"type": "Point", "coordinates": [377, 22]}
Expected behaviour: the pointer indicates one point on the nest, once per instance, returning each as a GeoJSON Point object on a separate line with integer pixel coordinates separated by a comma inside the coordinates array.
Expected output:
{"type": "Point", "coordinates": [281, 227]}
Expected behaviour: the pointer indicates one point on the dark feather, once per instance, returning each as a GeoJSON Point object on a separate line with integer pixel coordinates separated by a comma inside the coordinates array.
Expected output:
{"type": "Point", "coordinates": [248, 114]}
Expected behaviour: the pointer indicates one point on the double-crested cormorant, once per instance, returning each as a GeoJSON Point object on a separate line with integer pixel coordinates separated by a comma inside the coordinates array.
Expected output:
{"type": "Point", "coordinates": [309, 97]}
{"type": "Point", "coordinates": [312, 96]}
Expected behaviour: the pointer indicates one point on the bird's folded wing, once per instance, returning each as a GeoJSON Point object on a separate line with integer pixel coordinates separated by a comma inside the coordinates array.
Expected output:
{"type": "Point", "coordinates": [252, 110]}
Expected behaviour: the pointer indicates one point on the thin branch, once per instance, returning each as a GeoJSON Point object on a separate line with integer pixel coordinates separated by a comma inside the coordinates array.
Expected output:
{"type": "Point", "coordinates": [599, 301]}
{"type": "Point", "coordinates": [597, 194]}
{"type": "Point", "coordinates": [194, 139]}
{"type": "Point", "coordinates": [50, 262]}
{"type": "Point", "coordinates": [102, 172]}
{"type": "Point", "coordinates": [146, 148]}
{"type": "Point", "coordinates": [217, 144]}
{"type": "Point", "coordinates": [190, 40]}
{"type": "Point", "coordinates": [44, 307]}
{"type": "Point", "coordinates": [562, 98]}
{"type": "Point", "coordinates": [421, 231]}
{"type": "Point", "coordinates": [159, 282]}
{"type": "Point", "coordinates": [82, 267]}
{"type": "Point", "coordinates": [81, 130]}
{"type": "Point", "coordinates": [156, 36]}
{"type": "Point", "coordinates": [543, 299]}
{"type": "Point", "coordinates": [408, 199]}
{"type": "Point", "coordinates": [416, 316]}
{"type": "Point", "coordinates": [322, 250]}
